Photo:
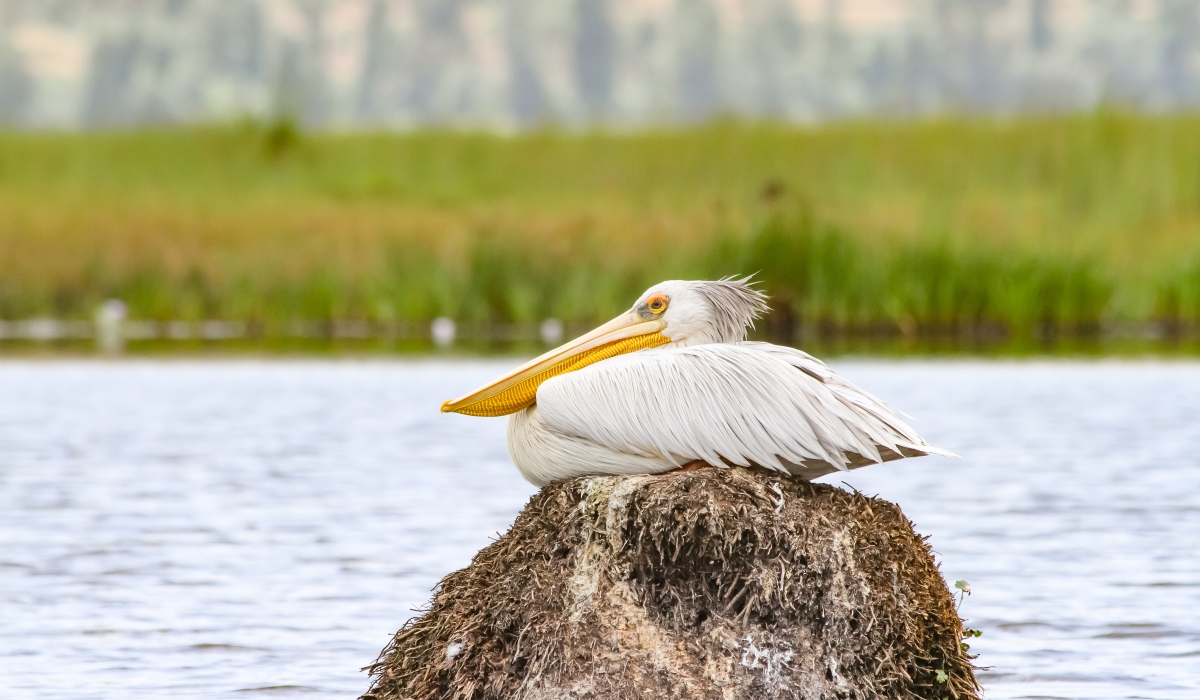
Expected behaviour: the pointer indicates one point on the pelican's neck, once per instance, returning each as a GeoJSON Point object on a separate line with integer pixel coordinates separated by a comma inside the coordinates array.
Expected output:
{"type": "Point", "coordinates": [693, 340]}
{"type": "Point", "coordinates": [702, 329]}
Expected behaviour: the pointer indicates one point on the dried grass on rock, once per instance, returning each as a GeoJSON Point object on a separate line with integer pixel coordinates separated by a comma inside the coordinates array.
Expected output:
{"type": "Point", "coordinates": [718, 583]}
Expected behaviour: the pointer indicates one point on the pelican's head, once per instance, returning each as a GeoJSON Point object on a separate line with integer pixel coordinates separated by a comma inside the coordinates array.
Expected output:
{"type": "Point", "coordinates": [696, 313]}
{"type": "Point", "coordinates": [676, 312]}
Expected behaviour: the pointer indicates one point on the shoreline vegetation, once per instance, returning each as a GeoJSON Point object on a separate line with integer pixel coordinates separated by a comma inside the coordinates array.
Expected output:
{"type": "Point", "coordinates": [980, 231]}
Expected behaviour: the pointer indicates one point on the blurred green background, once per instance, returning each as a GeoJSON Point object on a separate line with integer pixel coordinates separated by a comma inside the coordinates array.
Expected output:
{"type": "Point", "coordinates": [974, 233]}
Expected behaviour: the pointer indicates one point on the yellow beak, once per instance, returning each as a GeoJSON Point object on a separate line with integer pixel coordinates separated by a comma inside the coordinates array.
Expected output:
{"type": "Point", "coordinates": [518, 389]}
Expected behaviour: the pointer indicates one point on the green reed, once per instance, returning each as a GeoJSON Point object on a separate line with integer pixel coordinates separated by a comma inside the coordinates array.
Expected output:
{"type": "Point", "coordinates": [1026, 226]}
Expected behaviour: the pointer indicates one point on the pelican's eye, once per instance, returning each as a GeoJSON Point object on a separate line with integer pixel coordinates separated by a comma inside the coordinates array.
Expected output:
{"type": "Point", "coordinates": [657, 304]}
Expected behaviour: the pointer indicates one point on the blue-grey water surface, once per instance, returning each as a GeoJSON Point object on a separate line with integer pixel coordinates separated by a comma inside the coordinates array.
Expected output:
{"type": "Point", "coordinates": [243, 529]}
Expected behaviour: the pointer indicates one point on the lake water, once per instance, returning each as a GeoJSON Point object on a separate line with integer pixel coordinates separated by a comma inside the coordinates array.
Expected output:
{"type": "Point", "coordinates": [244, 529]}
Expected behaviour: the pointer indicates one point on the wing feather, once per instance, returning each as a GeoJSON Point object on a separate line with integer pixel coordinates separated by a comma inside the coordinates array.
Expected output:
{"type": "Point", "coordinates": [743, 404]}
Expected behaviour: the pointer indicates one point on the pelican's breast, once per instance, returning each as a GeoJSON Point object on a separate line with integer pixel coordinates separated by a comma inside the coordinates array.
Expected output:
{"type": "Point", "coordinates": [544, 454]}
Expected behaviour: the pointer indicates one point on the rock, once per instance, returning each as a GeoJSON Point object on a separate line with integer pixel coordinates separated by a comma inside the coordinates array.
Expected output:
{"type": "Point", "coordinates": [715, 583]}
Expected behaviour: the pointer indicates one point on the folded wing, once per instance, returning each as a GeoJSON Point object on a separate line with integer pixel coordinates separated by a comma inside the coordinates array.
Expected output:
{"type": "Point", "coordinates": [743, 404]}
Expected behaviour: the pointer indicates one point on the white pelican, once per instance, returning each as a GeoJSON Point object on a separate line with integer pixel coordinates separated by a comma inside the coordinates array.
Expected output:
{"type": "Point", "coordinates": [673, 383]}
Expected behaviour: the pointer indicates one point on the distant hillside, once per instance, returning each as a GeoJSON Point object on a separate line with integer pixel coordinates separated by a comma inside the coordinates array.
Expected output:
{"type": "Point", "coordinates": [513, 63]}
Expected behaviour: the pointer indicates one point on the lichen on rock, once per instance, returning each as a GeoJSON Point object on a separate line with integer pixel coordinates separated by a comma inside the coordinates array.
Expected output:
{"type": "Point", "coordinates": [716, 583]}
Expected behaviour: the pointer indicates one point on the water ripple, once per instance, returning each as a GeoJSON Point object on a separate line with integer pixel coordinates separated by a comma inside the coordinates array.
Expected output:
{"type": "Point", "coordinates": [231, 529]}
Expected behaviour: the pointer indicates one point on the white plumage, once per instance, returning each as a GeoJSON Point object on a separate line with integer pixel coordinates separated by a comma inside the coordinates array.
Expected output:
{"type": "Point", "coordinates": [707, 395]}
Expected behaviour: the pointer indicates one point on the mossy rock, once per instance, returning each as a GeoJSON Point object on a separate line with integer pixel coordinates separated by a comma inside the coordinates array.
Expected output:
{"type": "Point", "coordinates": [715, 583]}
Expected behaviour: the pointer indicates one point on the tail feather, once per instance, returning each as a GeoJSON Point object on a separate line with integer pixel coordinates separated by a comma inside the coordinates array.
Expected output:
{"type": "Point", "coordinates": [814, 468]}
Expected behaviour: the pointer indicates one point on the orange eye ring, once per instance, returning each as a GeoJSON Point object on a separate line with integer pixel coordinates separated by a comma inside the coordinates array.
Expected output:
{"type": "Point", "coordinates": [657, 304]}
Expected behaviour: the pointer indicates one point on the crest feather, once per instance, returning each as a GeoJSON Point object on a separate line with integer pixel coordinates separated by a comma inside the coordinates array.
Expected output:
{"type": "Point", "coordinates": [736, 306]}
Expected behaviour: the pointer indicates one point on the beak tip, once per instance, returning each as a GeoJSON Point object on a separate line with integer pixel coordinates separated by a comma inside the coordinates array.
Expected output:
{"type": "Point", "coordinates": [446, 407]}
